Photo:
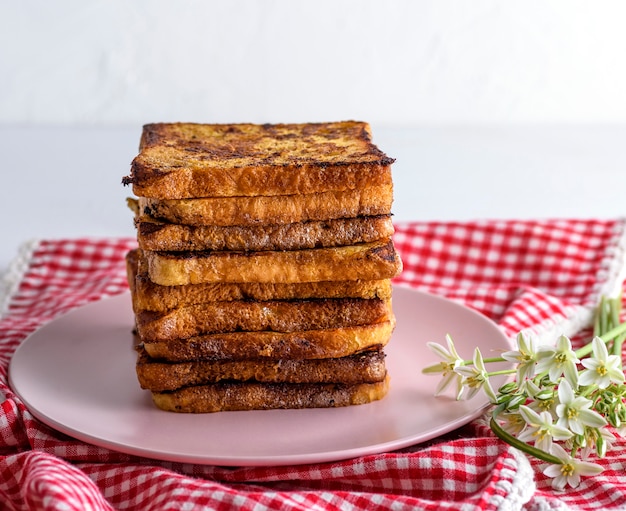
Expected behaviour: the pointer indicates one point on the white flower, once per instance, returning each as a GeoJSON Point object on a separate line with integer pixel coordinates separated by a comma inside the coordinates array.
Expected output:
{"type": "Point", "coordinates": [475, 377]}
{"type": "Point", "coordinates": [451, 361]}
{"type": "Point", "coordinates": [569, 470]}
{"type": "Point", "coordinates": [541, 429]}
{"type": "Point", "coordinates": [544, 405]}
{"type": "Point", "coordinates": [532, 390]}
{"type": "Point", "coordinates": [512, 422]}
{"type": "Point", "coordinates": [602, 369]}
{"type": "Point", "coordinates": [541, 399]}
{"type": "Point", "coordinates": [558, 361]}
{"type": "Point", "coordinates": [574, 412]}
{"type": "Point", "coordinates": [525, 357]}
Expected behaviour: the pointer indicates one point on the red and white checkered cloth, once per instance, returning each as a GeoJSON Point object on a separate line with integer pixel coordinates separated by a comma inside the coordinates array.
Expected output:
{"type": "Point", "coordinates": [541, 275]}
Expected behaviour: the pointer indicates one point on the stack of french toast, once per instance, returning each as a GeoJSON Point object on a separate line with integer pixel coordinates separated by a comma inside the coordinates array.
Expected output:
{"type": "Point", "coordinates": [263, 274]}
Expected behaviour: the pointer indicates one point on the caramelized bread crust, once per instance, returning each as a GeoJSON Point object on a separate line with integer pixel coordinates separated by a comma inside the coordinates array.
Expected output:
{"type": "Point", "coordinates": [328, 343]}
{"type": "Point", "coordinates": [153, 234]}
{"type": "Point", "coordinates": [148, 296]}
{"type": "Point", "coordinates": [232, 396]}
{"type": "Point", "coordinates": [278, 209]}
{"type": "Point", "coordinates": [157, 375]}
{"type": "Point", "coordinates": [252, 316]}
{"type": "Point", "coordinates": [179, 160]}
{"type": "Point", "coordinates": [376, 260]}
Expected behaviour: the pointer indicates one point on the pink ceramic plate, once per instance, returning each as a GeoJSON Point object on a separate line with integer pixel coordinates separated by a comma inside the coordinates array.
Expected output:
{"type": "Point", "coordinates": [77, 375]}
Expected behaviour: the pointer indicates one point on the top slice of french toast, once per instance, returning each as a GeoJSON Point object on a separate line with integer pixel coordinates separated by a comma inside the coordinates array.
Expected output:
{"type": "Point", "coordinates": [191, 160]}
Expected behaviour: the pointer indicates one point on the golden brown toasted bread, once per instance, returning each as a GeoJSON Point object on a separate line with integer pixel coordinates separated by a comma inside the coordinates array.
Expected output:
{"type": "Point", "coordinates": [372, 261]}
{"type": "Point", "coordinates": [328, 343]}
{"type": "Point", "coordinates": [232, 396]}
{"type": "Point", "coordinates": [277, 209]}
{"type": "Point", "coordinates": [264, 274]}
{"type": "Point", "coordinates": [181, 160]}
{"type": "Point", "coordinates": [148, 296]}
{"type": "Point", "coordinates": [153, 234]}
{"type": "Point", "coordinates": [157, 375]}
{"type": "Point", "coordinates": [254, 316]}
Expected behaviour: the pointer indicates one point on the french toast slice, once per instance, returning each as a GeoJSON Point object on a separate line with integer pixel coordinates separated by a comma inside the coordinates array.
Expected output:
{"type": "Point", "coordinates": [157, 375]}
{"type": "Point", "coordinates": [156, 235]}
{"type": "Point", "coordinates": [148, 296]}
{"type": "Point", "coordinates": [253, 316]}
{"type": "Point", "coordinates": [374, 261]}
{"type": "Point", "coordinates": [327, 343]}
{"type": "Point", "coordinates": [275, 209]}
{"type": "Point", "coordinates": [182, 160]}
{"type": "Point", "coordinates": [233, 396]}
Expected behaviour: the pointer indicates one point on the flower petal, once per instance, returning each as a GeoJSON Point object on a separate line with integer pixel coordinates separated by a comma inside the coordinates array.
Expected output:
{"type": "Point", "coordinates": [554, 373]}
{"type": "Point", "coordinates": [566, 393]}
{"type": "Point", "coordinates": [576, 427]}
{"type": "Point", "coordinates": [490, 392]}
{"type": "Point", "coordinates": [571, 373]}
{"type": "Point", "coordinates": [472, 392]}
{"type": "Point", "coordinates": [587, 377]}
{"type": "Point", "coordinates": [445, 382]}
{"type": "Point", "coordinates": [529, 415]}
{"type": "Point", "coordinates": [599, 349]}
{"type": "Point", "coordinates": [512, 356]}
{"type": "Point", "coordinates": [466, 371]}
{"type": "Point", "coordinates": [591, 418]}
{"type": "Point", "coordinates": [586, 468]}
{"type": "Point", "coordinates": [558, 483]}
{"type": "Point", "coordinates": [553, 470]}
{"type": "Point", "coordinates": [560, 453]}
{"type": "Point", "coordinates": [616, 375]}
{"type": "Point", "coordinates": [559, 433]}
{"type": "Point", "coordinates": [478, 360]}
{"type": "Point", "coordinates": [590, 363]}
{"type": "Point", "coordinates": [573, 480]}
{"type": "Point", "coordinates": [544, 443]}
{"type": "Point", "coordinates": [439, 350]}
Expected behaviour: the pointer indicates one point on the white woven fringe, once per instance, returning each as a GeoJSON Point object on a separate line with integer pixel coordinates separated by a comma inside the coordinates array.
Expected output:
{"type": "Point", "coordinates": [11, 280]}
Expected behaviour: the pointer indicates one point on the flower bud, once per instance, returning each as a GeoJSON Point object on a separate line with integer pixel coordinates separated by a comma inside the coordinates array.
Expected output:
{"type": "Point", "coordinates": [600, 447]}
{"type": "Point", "coordinates": [516, 401]}
{"type": "Point", "coordinates": [545, 394]}
{"type": "Point", "coordinates": [508, 388]}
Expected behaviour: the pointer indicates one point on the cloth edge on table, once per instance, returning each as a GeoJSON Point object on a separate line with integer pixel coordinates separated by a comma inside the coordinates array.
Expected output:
{"type": "Point", "coordinates": [581, 317]}
{"type": "Point", "coordinates": [10, 281]}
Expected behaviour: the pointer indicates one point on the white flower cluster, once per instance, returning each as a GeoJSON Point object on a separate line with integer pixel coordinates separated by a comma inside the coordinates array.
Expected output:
{"type": "Point", "coordinates": [561, 407]}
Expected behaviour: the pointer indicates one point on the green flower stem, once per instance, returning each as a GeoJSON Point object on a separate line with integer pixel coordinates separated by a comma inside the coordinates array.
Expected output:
{"type": "Point", "coordinates": [491, 360]}
{"type": "Point", "coordinates": [614, 311]}
{"type": "Point", "coordinates": [597, 329]}
{"type": "Point", "coordinates": [587, 391]}
{"type": "Point", "coordinates": [607, 326]}
{"type": "Point", "coordinates": [602, 317]}
{"type": "Point", "coordinates": [615, 332]}
{"type": "Point", "coordinates": [518, 444]}
{"type": "Point", "coordinates": [617, 346]}
{"type": "Point", "coordinates": [504, 371]}
{"type": "Point", "coordinates": [615, 314]}
{"type": "Point", "coordinates": [436, 368]}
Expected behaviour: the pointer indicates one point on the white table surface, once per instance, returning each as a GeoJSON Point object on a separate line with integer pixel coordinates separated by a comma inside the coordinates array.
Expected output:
{"type": "Point", "coordinates": [66, 181]}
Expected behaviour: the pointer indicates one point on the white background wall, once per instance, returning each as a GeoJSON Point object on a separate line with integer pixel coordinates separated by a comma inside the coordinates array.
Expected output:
{"type": "Point", "coordinates": [492, 108]}
{"type": "Point", "coordinates": [398, 62]}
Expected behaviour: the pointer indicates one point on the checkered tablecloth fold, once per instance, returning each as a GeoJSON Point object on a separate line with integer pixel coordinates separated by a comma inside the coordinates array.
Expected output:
{"type": "Point", "coordinates": [540, 276]}
{"type": "Point", "coordinates": [544, 276]}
